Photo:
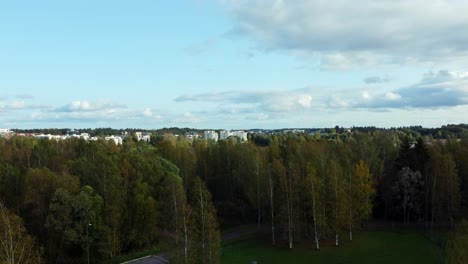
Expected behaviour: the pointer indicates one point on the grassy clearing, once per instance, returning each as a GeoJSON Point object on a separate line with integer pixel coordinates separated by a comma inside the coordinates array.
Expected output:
{"type": "Point", "coordinates": [367, 247]}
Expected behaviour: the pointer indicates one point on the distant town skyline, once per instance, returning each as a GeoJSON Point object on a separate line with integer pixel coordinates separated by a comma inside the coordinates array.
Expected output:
{"type": "Point", "coordinates": [233, 64]}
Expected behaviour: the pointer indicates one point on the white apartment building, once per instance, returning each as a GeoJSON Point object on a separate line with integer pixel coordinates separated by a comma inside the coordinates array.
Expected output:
{"type": "Point", "coordinates": [240, 134]}
{"type": "Point", "coordinates": [191, 135]}
{"type": "Point", "coordinates": [84, 136]}
{"type": "Point", "coordinates": [224, 134]}
{"type": "Point", "coordinates": [146, 136]}
{"type": "Point", "coordinates": [117, 140]}
{"type": "Point", "coordinates": [138, 135]}
{"type": "Point", "coordinates": [50, 137]}
{"type": "Point", "coordinates": [211, 134]}
{"type": "Point", "coordinates": [6, 132]}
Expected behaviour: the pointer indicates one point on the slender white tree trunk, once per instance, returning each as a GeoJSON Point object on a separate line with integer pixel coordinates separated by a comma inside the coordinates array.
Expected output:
{"type": "Point", "coordinates": [258, 195]}
{"type": "Point", "coordinates": [272, 208]}
{"type": "Point", "coordinates": [210, 251]}
{"type": "Point", "coordinates": [336, 209]}
{"type": "Point", "coordinates": [317, 246]}
{"type": "Point", "coordinates": [186, 240]}
{"type": "Point", "coordinates": [350, 210]}
{"type": "Point", "coordinates": [451, 193]}
{"type": "Point", "coordinates": [202, 205]}
{"type": "Point", "coordinates": [176, 215]}
{"type": "Point", "coordinates": [433, 198]}
{"type": "Point", "coordinates": [290, 220]}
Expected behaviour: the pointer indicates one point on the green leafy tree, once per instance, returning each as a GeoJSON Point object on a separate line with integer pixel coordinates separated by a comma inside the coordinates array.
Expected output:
{"type": "Point", "coordinates": [407, 191]}
{"type": "Point", "coordinates": [445, 186]}
{"type": "Point", "coordinates": [11, 185]}
{"type": "Point", "coordinates": [16, 245]}
{"type": "Point", "coordinates": [336, 198]}
{"type": "Point", "coordinates": [69, 220]}
{"type": "Point", "coordinates": [256, 182]}
{"type": "Point", "coordinates": [362, 194]}
{"type": "Point", "coordinates": [40, 186]}
{"type": "Point", "coordinates": [285, 201]}
{"type": "Point", "coordinates": [176, 213]}
{"type": "Point", "coordinates": [457, 245]}
{"type": "Point", "coordinates": [205, 237]}
{"type": "Point", "coordinates": [96, 166]}
{"type": "Point", "coordinates": [314, 193]}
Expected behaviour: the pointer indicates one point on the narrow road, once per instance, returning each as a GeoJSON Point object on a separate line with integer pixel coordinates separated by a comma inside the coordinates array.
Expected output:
{"type": "Point", "coordinates": [148, 260]}
{"type": "Point", "coordinates": [163, 258]}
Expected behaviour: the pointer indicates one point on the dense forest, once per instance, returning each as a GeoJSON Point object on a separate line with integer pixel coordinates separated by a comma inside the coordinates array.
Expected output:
{"type": "Point", "coordinates": [61, 200]}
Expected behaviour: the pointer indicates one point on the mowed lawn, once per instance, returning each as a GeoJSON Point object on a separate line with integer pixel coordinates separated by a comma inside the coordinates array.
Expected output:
{"type": "Point", "coordinates": [367, 247]}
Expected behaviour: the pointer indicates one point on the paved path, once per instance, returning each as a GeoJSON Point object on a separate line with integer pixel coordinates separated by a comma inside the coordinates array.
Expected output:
{"type": "Point", "coordinates": [163, 258]}
{"type": "Point", "coordinates": [148, 260]}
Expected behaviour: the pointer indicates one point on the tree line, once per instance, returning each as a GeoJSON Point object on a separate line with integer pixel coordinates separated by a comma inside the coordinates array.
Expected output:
{"type": "Point", "coordinates": [73, 197]}
{"type": "Point", "coordinates": [277, 179]}
{"type": "Point", "coordinates": [67, 200]}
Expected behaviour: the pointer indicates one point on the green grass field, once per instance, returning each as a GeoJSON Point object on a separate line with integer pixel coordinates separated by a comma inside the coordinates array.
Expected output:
{"type": "Point", "coordinates": [367, 247]}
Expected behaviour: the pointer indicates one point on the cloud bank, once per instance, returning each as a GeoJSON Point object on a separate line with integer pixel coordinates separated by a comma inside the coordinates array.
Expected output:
{"type": "Point", "coordinates": [346, 32]}
{"type": "Point", "coordinates": [435, 90]}
{"type": "Point", "coordinates": [87, 106]}
{"type": "Point", "coordinates": [252, 101]}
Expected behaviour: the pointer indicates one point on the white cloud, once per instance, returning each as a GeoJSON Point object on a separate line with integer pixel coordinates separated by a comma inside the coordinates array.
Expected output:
{"type": "Point", "coordinates": [366, 95]}
{"type": "Point", "coordinates": [305, 100]}
{"type": "Point", "coordinates": [24, 96]}
{"type": "Point", "coordinates": [187, 118]}
{"type": "Point", "coordinates": [85, 113]}
{"type": "Point", "coordinates": [435, 90]}
{"type": "Point", "coordinates": [262, 116]}
{"type": "Point", "coordinates": [18, 104]}
{"type": "Point", "coordinates": [147, 112]}
{"type": "Point", "coordinates": [336, 101]}
{"type": "Point", "coordinates": [102, 112]}
{"type": "Point", "coordinates": [254, 101]}
{"type": "Point", "coordinates": [392, 96]}
{"type": "Point", "coordinates": [87, 106]}
{"type": "Point", "coordinates": [336, 62]}
{"type": "Point", "coordinates": [347, 33]}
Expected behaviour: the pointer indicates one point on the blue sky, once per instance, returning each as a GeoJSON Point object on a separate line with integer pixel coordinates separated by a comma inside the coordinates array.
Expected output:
{"type": "Point", "coordinates": [233, 64]}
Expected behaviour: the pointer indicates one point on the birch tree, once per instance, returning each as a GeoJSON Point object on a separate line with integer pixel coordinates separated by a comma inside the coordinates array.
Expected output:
{"type": "Point", "coordinates": [272, 204]}
{"type": "Point", "coordinates": [16, 245]}
{"type": "Point", "coordinates": [336, 198]}
{"type": "Point", "coordinates": [180, 221]}
{"type": "Point", "coordinates": [285, 198]}
{"type": "Point", "coordinates": [313, 186]}
{"type": "Point", "coordinates": [446, 185]}
{"type": "Point", "coordinates": [205, 239]}
{"type": "Point", "coordinates": [273, 165]}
